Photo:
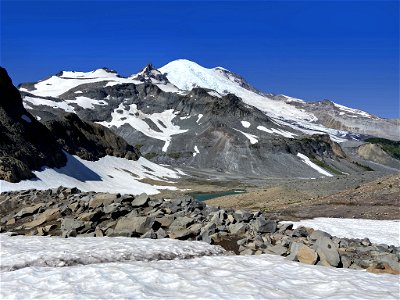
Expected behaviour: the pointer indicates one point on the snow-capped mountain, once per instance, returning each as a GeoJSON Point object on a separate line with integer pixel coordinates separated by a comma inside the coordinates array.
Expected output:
{"type": "Point", "coordinates": [186, 114]}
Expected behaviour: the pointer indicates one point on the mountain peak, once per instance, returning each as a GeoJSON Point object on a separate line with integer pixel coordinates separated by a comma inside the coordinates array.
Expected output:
{"type": "Point", "coordinates": [150, 74]}
{"type": "Point", "coordinates": [186, 74]}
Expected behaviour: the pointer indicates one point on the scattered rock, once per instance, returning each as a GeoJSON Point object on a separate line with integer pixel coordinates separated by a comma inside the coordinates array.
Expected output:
{"type": "Point", "coordinates": [327, 251]}
{"type": "Point", "coordinates": [307, 255]}
{"type": "Point", "coordinates": [48, 215]}
{"type": "Point", "coordinates": [140, 200]}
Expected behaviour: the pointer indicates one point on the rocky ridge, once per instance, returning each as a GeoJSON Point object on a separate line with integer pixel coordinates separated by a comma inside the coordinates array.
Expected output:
{"type": "Point", "coordinates": [69, 212]}
{"type": "Point", "coordinates": [25, 143]}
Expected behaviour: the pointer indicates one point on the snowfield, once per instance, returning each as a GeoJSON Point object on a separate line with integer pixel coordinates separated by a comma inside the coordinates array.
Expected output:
{"type": "Point", "coordinates": [108, 174]}
{"type": "Point", "coordinates": [143, 269]}
{"type": "Point", "coordinates": [136, 119]}
{"type": "Point", "coordinates": [308, 162]}
{"type": "Point", "coordinates": [378, 231]}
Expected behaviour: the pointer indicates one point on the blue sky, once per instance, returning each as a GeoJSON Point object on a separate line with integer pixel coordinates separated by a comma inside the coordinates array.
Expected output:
{"type": "Point", "coordinates": [344, 51]}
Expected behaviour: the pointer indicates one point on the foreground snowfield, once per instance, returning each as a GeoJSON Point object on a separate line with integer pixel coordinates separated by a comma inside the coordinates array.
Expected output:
{"type": "Point", "coordinates": [108, 174]}
{"type": "Point", "coordinates": [378, 231]}
{"type": "Point", "coordinates": [139, 276]}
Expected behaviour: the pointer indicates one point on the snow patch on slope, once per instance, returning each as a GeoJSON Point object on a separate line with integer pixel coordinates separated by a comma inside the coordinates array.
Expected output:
{"type": "Point", "coordinates": [54, 104]}
{"type": "Point", "coordinates": [136, 119]}
{"type": "Point", "coordinates": [245, 124]}
{"type": "Point", "coordinates": [86, 102]}
{"type": "Point", "coordinates": [252, 138]}
{"type": "Point", "coordinates": [59, 84]}
{"type": "Point", "coordinates": [196, 151]}
{"type": "Point", "coordinates": [199, 118]}
{"type": "Point", "coordinates": [378, 231]}
{"type": "Point", "coordinates": [108, 174]}
{"type": "Point", "coordinates": [308, 162]}
{"type": "Point", "coordinates": [277, 131]}
{"type": "Point", "coordinates": [354, 112]}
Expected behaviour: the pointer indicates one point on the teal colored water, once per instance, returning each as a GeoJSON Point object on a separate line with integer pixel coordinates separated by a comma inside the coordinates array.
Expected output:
{"type": "Point", "coordinates": [208, 196]}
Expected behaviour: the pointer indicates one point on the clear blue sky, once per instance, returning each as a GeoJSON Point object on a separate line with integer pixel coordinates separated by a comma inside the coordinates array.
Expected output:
{"type": "Point", "coordinates": [339, 50]}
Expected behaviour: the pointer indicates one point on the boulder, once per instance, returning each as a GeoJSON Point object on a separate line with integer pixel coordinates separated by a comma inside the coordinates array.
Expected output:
{"type": "Point", "coordinates": [69, 224]}
{"type": "Point", "coordinates": [264, 226]}
{"type": "Point", "coordinates": [307, 255]}
{"type": "Point", "coordinates": [192, 231]}
{"type": "Point", "coordinates": [47, 216]}
{"type": "Point", "coordinates": [131, 225]}
{"type": "Point", "coordinates": [300, 232]}
{"type": "Point", "coordinates": [140, 200]}
{"type": "Point", "coordinates": [90, 216]}
{"type": "Point", "coordinates": [327, 251]}
{"type": "Point", "coordinates": [242, 216]}
{"type": "Point", "coordinates": [277, 249]}
{"type": "Point", "coordinates": [237, 228]}
{"type": "Point", "coordinates": [102, 199]}
{"type": "Point", "coordinates": [165, 221]}
{"type": "Point", "coordinates": [316, 234]}
{"type": "Point", "coordinates": [28, 211]}
{"type": "Point", "coordinates": [180, 223]}
{"type": "Point", "coordinates": [108, 209]}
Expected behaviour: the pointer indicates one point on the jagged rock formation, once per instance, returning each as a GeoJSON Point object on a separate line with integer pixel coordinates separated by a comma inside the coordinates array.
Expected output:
{"type": "Point", "coordinates": [25, 143]}
{"type": "Point", "coordinates": [88, 140]}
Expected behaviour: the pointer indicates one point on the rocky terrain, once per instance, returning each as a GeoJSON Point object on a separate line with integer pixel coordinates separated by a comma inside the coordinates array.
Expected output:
{"type": "Point", "coordinates": [370, 196]}
{"type": "Point", "coordinates": [69, 212]}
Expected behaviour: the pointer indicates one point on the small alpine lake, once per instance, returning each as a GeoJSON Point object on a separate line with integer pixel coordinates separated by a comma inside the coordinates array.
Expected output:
{"type": "Point", "coordinates": [212, 195]}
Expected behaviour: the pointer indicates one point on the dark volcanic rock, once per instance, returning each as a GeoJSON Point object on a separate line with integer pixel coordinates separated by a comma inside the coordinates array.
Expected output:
{"type": "Point", "coordinates": [89, 140]}
{"type": "Point", "coordinates": [25, 144]}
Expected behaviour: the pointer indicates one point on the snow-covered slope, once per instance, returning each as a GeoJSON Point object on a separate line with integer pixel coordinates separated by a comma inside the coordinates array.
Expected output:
{"type": "Point", "coordinates": [186, 75]}
{"type": "Point", "coordinates": [62, 82]}
{"type": "Point", "coordinates": [144, 275]}
{"type": "Point", "coordinates": [165, 128]}
{"type": "Point", "coordinates": [108, 174]}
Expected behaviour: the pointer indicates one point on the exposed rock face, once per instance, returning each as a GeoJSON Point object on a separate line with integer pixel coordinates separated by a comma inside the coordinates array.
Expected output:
{"type": "Point", "coordinates": [376, 154]}
{"type": "Point", "coordinates": [25, 144]}
{"type": "Point", "coordinates": [149, 73]}
{"type": "Point", "coordinates": [69, 212]}
{"type": "Point", "coordinates": [88, 140]}
{"type": "Point", "coordinates": [342, 118]}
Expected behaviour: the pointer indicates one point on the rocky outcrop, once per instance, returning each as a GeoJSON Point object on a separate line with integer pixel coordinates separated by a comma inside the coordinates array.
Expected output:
{"type": "Point", "coordinates": [375, 153]}
{"type": "Point", "coordinates": [25, 143]}
{"type": "Point", "coordinates": [69, 212]}
{"type": "Point", "coordinates": [88, 140]}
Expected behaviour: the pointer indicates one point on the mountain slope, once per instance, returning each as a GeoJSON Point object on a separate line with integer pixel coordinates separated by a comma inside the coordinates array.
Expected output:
{"type": "Point", "coordinates": [184, 114]}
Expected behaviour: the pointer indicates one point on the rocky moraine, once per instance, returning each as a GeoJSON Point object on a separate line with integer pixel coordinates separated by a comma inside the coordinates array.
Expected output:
{"type": "Point", "coordinates": [68, 212]}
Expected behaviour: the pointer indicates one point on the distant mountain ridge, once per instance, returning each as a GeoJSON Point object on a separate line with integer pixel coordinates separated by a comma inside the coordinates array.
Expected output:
{"type": "Point", "coordinates": [185, 114]}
